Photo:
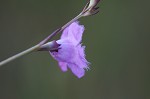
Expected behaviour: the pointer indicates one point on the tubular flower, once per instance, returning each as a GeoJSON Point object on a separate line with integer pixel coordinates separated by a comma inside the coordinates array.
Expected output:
{"type": "Point", "coordinates": [71, 53]}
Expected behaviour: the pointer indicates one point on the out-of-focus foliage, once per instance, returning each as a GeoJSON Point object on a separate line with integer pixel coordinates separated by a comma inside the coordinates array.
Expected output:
{"type": "Point", "coordinates": [117, 45]}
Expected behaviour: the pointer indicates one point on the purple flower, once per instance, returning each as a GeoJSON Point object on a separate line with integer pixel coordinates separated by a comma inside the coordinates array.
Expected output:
{"type": "Point", "coordinates": [71, 53]}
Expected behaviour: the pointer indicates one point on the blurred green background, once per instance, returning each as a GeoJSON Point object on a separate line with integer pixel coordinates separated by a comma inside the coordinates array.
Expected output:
{"type": "Point", "coordinates": [117, 45]}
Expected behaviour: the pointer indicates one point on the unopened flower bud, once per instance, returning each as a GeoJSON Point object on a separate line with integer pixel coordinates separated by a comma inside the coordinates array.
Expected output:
{"type": "Point", "coordinates": [90, 8]}
{"type": "Point", "coordinates": [50, 46]}
{"type": "Point", "coordinates": [93, 3]}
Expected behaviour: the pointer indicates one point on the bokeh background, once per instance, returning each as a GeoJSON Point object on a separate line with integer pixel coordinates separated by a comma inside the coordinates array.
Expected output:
{"type": "Point", "coordinates": [117, 45]}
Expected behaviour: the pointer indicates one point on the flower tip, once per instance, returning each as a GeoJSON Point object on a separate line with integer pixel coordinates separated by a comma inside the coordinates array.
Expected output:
{"type": "Point", "coordinates": [90, 8]}
{"type": "Point", "coordinates": [80, 76]}
{"type": "Point", "coordinates": [63, 66]}
{"type": "Point", "coordinates": [93, 3]}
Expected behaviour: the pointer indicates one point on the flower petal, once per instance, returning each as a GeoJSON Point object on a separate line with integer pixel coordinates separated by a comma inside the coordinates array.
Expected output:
{"type": "Point", "coordinates": [73, 32]}
{"type": "Point", "coordinates": [82, 55]}
{"type": "Point", "coordinates": [71, 53]}
{"type": "Point", "coordinates": [66, 53]}
{"type": "Point", "coordinates": [77, 71]}
{"type": "Point", "coordinates": [63, 66]}
{"type": "Point", "coordinates": [79, 59]}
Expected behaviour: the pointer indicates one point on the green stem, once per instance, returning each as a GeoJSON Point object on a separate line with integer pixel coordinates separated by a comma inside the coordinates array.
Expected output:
{"type": "Point", "coordinates": [19, 55]}
{"type": "Point", "coordinates": [60, 29]}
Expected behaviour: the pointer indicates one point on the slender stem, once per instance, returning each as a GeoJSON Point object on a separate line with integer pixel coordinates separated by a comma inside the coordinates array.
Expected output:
{"type": "Point", "coordinates": [19, 55]}
{"type": "Point", "coordinates": [74, 19]}
{"type": "Point", "coordinates": [60, 29]}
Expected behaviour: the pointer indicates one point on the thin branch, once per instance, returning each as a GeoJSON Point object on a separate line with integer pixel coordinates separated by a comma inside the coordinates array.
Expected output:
{"type": "Point", "coordinates": [59, 30]}
{"type": "Point", "coordinates": [19, 55]}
